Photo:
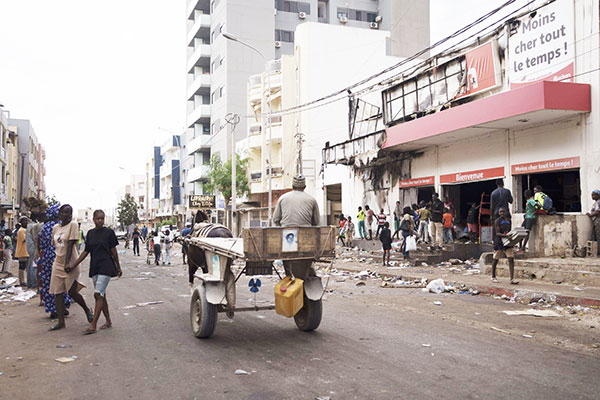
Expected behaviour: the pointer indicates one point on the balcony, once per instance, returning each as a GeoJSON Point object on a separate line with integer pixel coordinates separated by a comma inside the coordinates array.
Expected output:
{"type": "Point", "coordinates": [276, 133]}
{"type": "Point", "coordinates": [255, 89]}
{"type": "Point", "coordinates": [201, 82]}
{"type": "Point", "coordinates": [201, 28]}
{"type": "Point", "coordinates": [3, 155]}
{"type": "Point", "coordinates": [199, 142]}
{"type": "Point", "coordinates": [202, 111]}
{"type": "Point", "coordinates": [254, 140]}
{"type": "Point", "coordinates": [165, 170]}
{"type": "Point", "coordinates": [200, 57]}
{"type": "Point", "coordinates": [198, 173]}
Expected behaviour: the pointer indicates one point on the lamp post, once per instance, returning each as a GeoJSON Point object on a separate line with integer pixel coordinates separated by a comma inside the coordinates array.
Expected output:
{"type": "Point", "coordinates": [228, 36]}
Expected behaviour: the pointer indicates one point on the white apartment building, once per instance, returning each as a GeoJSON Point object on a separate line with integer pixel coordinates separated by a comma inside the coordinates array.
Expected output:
{"type": "Point", "coordinates": [218, 69]}
{"type": "Point", "coordinates": [168, 179]}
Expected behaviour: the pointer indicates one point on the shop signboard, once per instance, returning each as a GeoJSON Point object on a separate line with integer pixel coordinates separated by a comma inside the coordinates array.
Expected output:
{"type": "Point", "coordinates": [483, 69]}
{"type": "Point", "coordinates": [201, 201]}
{"type": "Point", "coordinates": [543, 45]}
{"type": "Point", "coordinates": [546, 166]}
{"type": "Point", "coordinates": [473, 176]}
{"type": "Point", "coordinates": [415, 182]}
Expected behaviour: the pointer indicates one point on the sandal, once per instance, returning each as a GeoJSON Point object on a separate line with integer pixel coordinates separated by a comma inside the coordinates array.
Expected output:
{"type": "Point", "coordinates": [494, 279]}
{"type": "Point", "coordinates": [89, 331]}
{"type": "Point", "coordinates": [106, 326]}
{"type": "Point", "coordinates": [90, 317]}
{"type": "Point", "coordinates": [513, 282]}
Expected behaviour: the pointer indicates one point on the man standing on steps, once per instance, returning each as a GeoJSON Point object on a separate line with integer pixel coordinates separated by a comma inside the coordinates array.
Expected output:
{"type": "Point", "coordinates": [500, 198]}
{"type": "Point", "coordinates": [437, 212]}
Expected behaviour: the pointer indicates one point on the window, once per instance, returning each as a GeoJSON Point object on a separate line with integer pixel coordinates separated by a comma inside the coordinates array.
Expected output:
{"type": "Point", "coordinates": [216, 126]}
{"type": "Point", "coordinates": [292, 6]}
{"type": "Point", "coordinates": [217, 94]}
{"type": "Point", "coordinates": [284, 36]}
{"type": "Point", "coordinates": [342, 13]}
{"type": "Point", "coordinates": [357, 15]}
{"type": "Point", "coordinates": [371, 17]}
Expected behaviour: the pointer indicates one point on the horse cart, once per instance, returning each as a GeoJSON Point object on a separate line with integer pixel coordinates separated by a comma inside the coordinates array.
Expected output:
{"type": "Point", "coordinates": [297, 295]}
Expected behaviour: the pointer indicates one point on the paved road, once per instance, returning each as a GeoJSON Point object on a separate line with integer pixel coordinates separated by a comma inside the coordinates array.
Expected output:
{"type": "Point", "coordinates": [369, 345]}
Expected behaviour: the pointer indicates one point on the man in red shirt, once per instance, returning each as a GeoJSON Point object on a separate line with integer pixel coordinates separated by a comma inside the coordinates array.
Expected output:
{"type": "Point", "coordinates": [381, 219]}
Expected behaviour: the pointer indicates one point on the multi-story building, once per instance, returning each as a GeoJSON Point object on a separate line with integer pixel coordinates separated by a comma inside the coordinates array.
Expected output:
{"type": "Point", "coordinates": [167, 179]}
{"type": "Point", "coordinates": [6, 141]}
{"type": "Point", "coordinates": [218, 69]}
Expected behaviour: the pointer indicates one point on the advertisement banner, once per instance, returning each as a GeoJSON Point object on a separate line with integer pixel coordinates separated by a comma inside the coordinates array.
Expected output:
{"type": "Point", "coordinates": [543, 45]}
{"type": "Point", "coordinates": [545, 166]}
{"type": "Point", "coordinates": [483, 69]}
{"type": "Point", "coordinates": [427, 181]}
{"type": "Point", "coordinates": [472, 176]}
{"type": "Point", "coordinates": [201, 201]}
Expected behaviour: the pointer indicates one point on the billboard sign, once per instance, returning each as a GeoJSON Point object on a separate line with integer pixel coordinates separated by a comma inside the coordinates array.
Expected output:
{"type": "Point", "coordinates": [543, 46]}
{"type": "Point", "coordinates": [415, 182]}
{"type": "Point", "coordinates": [201, 201]}
{"type": "Point", "coordinates": [483, 69]}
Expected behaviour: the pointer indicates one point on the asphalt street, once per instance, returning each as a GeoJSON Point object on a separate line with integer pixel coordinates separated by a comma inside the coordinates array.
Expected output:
{"type": "Point", "coordinates": [373, 343]}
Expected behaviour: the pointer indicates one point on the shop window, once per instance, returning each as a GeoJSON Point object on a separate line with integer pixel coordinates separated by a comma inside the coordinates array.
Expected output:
{"type": "Point", "coordinates": [563, 187]}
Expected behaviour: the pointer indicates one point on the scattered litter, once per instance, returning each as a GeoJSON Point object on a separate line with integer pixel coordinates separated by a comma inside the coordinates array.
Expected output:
{"type": "Point", "coordinates": [578, 288]}
{"type": "Point", "coordinates": [125, 313]}
{"type": "Point", "coordinates": [64, 360]}
{"type": "Point", "coordinates": [360, 283]}
{"type": "Point", "coordinates": [437, 303]}
{"type": "Point", "coordinates": [499, 330]}
{"type": "Point", "coordinates": [535, 313]}
{"type": "Point", "coordinates": [426, 345]}
{"type": "Point", "coordinates": [128, 307]}
{"type": "Point", "coordinates": [323, 398]}
{"type": "Point", "coordinates": [436, 286]}
{"type": "Point", "coordinates": [64, 346]}
{"type": "Point", "coordinates": [148, 303]}
{"type": "Point", "coordinates": [527, 336]}
{"type": "Point", "coordinates": [241, 372]}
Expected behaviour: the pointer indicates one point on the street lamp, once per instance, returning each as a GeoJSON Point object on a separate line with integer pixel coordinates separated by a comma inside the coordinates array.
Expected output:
{"type": "Point", "coordinates": [229, 36]}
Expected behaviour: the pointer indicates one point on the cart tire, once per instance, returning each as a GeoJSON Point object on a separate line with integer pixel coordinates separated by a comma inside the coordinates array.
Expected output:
{"type": "Point", "coordinates": [203, 315]}
{"type": "Point", "coordinates": [309, 316]}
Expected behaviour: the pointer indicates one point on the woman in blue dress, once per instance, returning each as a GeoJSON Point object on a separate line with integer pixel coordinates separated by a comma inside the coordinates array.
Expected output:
{"type": "Point", "coordinates": [48, 254]}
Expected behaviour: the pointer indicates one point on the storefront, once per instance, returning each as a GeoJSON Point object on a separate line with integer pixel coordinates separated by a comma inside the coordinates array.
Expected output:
{"type": "Point", "coordinates": [413, 191]}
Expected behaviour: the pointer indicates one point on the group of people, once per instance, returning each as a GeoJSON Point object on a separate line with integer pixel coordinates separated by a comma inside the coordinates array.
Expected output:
{"type": "Point", "coordinates": [51, 244]}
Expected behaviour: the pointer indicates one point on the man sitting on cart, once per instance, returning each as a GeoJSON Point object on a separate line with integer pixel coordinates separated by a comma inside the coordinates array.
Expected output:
{"type": "Point", "coordinates": [297, 208]}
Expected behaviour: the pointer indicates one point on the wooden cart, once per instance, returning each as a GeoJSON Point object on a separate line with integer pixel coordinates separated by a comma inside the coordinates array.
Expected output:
{"type": "Point", "coordinates": [258, 248]}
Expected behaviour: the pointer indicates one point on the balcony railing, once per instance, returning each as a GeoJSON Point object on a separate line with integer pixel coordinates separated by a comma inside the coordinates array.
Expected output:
{"type": "Point", "coordinates": [277, 171]}
{"type": "Point", "coordinates": [273, 67]}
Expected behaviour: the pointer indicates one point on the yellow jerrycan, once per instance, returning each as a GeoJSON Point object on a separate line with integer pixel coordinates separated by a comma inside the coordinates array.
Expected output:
{"type": "Point", "coordinates": [289, 296]}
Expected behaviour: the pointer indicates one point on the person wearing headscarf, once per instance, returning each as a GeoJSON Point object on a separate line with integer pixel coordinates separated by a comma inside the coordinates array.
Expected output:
{"type": "Point", "coordinates": [595, 216]}
{"type": "Point", "coordinates": [47, 256]}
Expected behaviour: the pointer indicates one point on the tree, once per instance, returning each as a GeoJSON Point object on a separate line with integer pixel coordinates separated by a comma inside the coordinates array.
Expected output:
{"type": "Point", "coordinates": [52, 200]}
{"type": "Point", "coordinates": [219, 177]}
{"type": "Point", "coordinates": [127, 211]}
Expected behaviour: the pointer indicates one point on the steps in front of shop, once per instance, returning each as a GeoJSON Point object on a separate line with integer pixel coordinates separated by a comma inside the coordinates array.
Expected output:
{"type": "Point", "coordinates": [579, 271]}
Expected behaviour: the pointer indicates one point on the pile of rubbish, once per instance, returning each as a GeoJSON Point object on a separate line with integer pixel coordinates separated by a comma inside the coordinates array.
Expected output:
{"type": "Point", "coordinates": [10, 292]}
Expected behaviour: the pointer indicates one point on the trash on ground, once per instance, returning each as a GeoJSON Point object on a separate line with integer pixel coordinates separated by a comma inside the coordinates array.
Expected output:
{"type": "Point", "coordinates": [426, 345]}
{"type": "Point", "coordinates": [64, 360]}
{"type": "Point", "coordinates": [437, 303]}
{"type": "Point", "coordinates": [148, 303]}
{"type": "Point", "coordinates": [527, 336]}
{"type": "Point", "coordinates": [64, 346]}
{"type": "Point", "coordinates": [436, 286]}
{"type": "Point", "coordinates": [241, 372]}
{"type": "Point", "coordinates": [499, 330]}
{"type": "Point", "coordinates": [578, 288]}
{"type": "Point", "coordinates": [361, 283]}
{"type": "Point", "coordinates": [535, 313]}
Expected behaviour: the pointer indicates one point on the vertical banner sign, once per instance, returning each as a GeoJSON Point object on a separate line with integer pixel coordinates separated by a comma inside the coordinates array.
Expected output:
{"type": "Point", "coordinates": [543, 46]}
{"type": "Point", "coordinates": [483, 69]}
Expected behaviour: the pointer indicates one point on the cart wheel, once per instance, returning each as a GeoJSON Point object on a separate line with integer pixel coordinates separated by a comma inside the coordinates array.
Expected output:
{"type": "Point", "coordinates": [309, 316]}
{"type": "Point", "coordinates": [203, 315]}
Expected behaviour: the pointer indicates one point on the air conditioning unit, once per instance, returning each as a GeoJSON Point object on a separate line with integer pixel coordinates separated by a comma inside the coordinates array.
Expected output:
{"type": "Point", "coordinates": [374, 25]}
{"type": "Point", "coordinates": [378, 19]}
{"type": "Point", "coordinates": [302, 15]}
{"type": "Point", "coordinates": [277, 44]}
{"type": "Point", "coordinates": [343, 20]}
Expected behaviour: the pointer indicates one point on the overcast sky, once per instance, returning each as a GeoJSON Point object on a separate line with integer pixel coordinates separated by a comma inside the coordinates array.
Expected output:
{"type": "Point", "coordinates": [97, 79]}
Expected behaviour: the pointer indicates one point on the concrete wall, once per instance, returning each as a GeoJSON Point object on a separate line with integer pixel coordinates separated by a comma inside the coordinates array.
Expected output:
{"type": "Point", "coordinates": [556, 235]}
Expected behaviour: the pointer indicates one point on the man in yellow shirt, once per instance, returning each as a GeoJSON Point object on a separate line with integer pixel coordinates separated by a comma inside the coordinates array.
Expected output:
{"type": "Point", "coordinates": [361, 223]}
{"type": "Point", "coordinates": [21, 251]}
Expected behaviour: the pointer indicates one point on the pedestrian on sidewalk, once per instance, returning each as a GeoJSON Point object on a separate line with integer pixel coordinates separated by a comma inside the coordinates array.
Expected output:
{"type": "Point", "coordinates": [21, 253]}
{"type": "Point", "coordinates": [500, 197]}
{"type": "Point", "coordinates": [503, 225]}
{"type": "Point", "coordinates": [156, 247]}
{"type": "Point", "coordinates": [381, 219]}
{"type": "Point", "coordinates": [397, 218]}
{"type": "Point", "coordinates": [370, 216]}
{"type": "Point", "coordinates": [361, 223]}
{"type": "Point", "coordinates": [101, 244]}
{"type": "Point", "coordinates": [437, 212]}
{"type": "Point", "coordinates": [407, 226]}
{"type": "Point", "coordinates": [144, 233]}
{"type": "Point", "coordinates": [424, 218]}
{"type": "Point", "coordinates": [31, 242]}
{"type": "Point", "coordinates": [136, 241]}
{"type": "Point", "coordinates": [595, 216]}
{"type": "Point", "coordinates": [47, 256]}
{"type": "Point", "coordinates": [64, 278]}
{"type": "Point", "coordinates": [7, 251]}
{"type": "Point", "coordinates": [386, 242]}
{"type": "Point", "coordinates": [168, 242]}
{"type": "Point", "coordinates": [349, 231]}
{"type": "Point", "coordinates": [473, 222]}
{"type": "Point", "coordinates": [531, 207]}
{"type": "Point", "coordinates": [447, 228]}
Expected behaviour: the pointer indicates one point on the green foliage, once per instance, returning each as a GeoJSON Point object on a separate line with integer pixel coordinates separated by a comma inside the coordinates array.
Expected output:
{"type": "Point", "coordinates": [171, 221]}
{"type": "Point", "coordinates": [219, 177]}
{"type": "Point", "coordinates": [127, 211]}
{"type": "Point", "coordinates": [52, 200]}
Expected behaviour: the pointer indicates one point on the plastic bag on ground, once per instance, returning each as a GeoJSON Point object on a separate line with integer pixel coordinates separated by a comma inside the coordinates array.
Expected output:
{"type": "Point", "coordinates": [436, 286]}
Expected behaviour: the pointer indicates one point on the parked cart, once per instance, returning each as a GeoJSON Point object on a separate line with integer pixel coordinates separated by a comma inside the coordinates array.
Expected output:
{"type": "Point", "coordinates": [298, 295]}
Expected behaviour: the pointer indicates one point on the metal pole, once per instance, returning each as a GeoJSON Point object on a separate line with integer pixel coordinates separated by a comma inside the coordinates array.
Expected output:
{"type": "Point", "coordinates": [233, 120]}
{"type": "Point", "coordinates": [270, 122]}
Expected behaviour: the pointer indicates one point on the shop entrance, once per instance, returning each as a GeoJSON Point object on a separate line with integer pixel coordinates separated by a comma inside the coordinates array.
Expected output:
{"type": "Point", "coordinates": [415, 195]}
{"type": "Point", "coordinates": [563, 187]}
{"type": "Point", "coordinates": [425, 193]}
{"type": "Point", "coordinates": [334, 203]}
{"type": "Point", "coordinates": [463, 195]}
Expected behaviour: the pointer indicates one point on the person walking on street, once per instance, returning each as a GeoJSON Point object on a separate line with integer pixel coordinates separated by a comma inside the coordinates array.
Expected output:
{"type": "Point", "coordinates": [407, 226]}
{"type": "Point", "coordinates": [168, 246]}
{"type": "Point", "coordinates": [386, 242]}
{"type": "Point", "coordinates": [424, 218]}
{"type": "Point", "coordinates": [341, 234]}
{"type": "Point", "coordinates": [21, 253]}
{"type": "Point", "coordinates": [503, 225]}
{"type": "Point", "coordinates": [7, 251]}
{"type": "Point", "coordinates": [594, 214]}
{"type": "Point", "coordinates": [156, 247]}
{"type": "Point", "coordinates": [500, 197]}
{"type": "Point", "coordinates": [473, 222]}
{"type": "Point", "coordinates": [447, 227]}
{"type": "Point", "coordinates": [31, 241]}
{"type": "Point", "coordinates": [64, 278]}
{"type": "Point", "coordinates": [437, 212]}
{"type": "Point", "coordinates": [101, 244]}
{"type": "Point", "coordinates": [361, 223]}
{"type": "Point", "coordinates": [47, 256]}
{"type": "Point", "coordinates": [370, 216]}
{"type": "Point", "coordinates": [349, 231]}
{"type": "Point", "coordinates": [381, 219]}
{"type": "Point", "coordinates": [187, 231]}
{"type": "Point", "coordinates": [136, 241]}
{"type": "Point", "coordinates": [144, 233]}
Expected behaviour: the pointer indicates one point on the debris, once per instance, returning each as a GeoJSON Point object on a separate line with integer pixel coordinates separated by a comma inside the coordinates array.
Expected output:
{"type": "Point", "coordinates": [578, 288]}
{"type": "Point", "coordinates": [323, 398]}
{"type": "Point", "coordinates": [64, 346]}
{"type": "Point", "coordinates": [148, 303]}
{"type": "Point", "coordinates": [535, 313]}
{"type": "Point", "coordinates": [527, 336]}
{"type": "Point", "coordinates": [436, 286]}
{"type": "Point", "coordinates": [437, 303]}
{"type": "Point", "coordinates": [360, 283]}
{"type": "Point", "coordinates": [455, 261]}
{"type": "Point", "coordinates": [64, 360]}
{"type": "Point", "coordinates": [241, 372]}
{"type": "Point", "coordinates": [426, 345]}
{"type": "Point", "coordinates": [499, 330]}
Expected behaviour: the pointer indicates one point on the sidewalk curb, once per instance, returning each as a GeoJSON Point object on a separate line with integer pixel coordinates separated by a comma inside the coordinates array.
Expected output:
{"type": "Point", "coordinates": [521, 295]}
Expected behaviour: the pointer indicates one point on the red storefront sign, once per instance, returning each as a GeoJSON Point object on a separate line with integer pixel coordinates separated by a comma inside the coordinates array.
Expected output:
{"type": "Point", "coordinates": [471, 176]}
{"type": "Point", "coordinates": [483, 69]}
{"type": "Point", "coordinates": [427, 181]}
{"type": "Point", "coordinates": [544, 166]}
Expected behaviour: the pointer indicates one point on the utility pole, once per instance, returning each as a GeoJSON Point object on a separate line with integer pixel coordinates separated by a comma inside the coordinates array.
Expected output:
{"type": "Point", "coordinates": [233, 120]}
{"type": "Point", "coordinates": [299, 141]}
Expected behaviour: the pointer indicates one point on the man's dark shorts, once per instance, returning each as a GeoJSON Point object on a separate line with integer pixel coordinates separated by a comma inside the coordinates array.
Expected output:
{"type": "Point", "coordinates": [528, 223]}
